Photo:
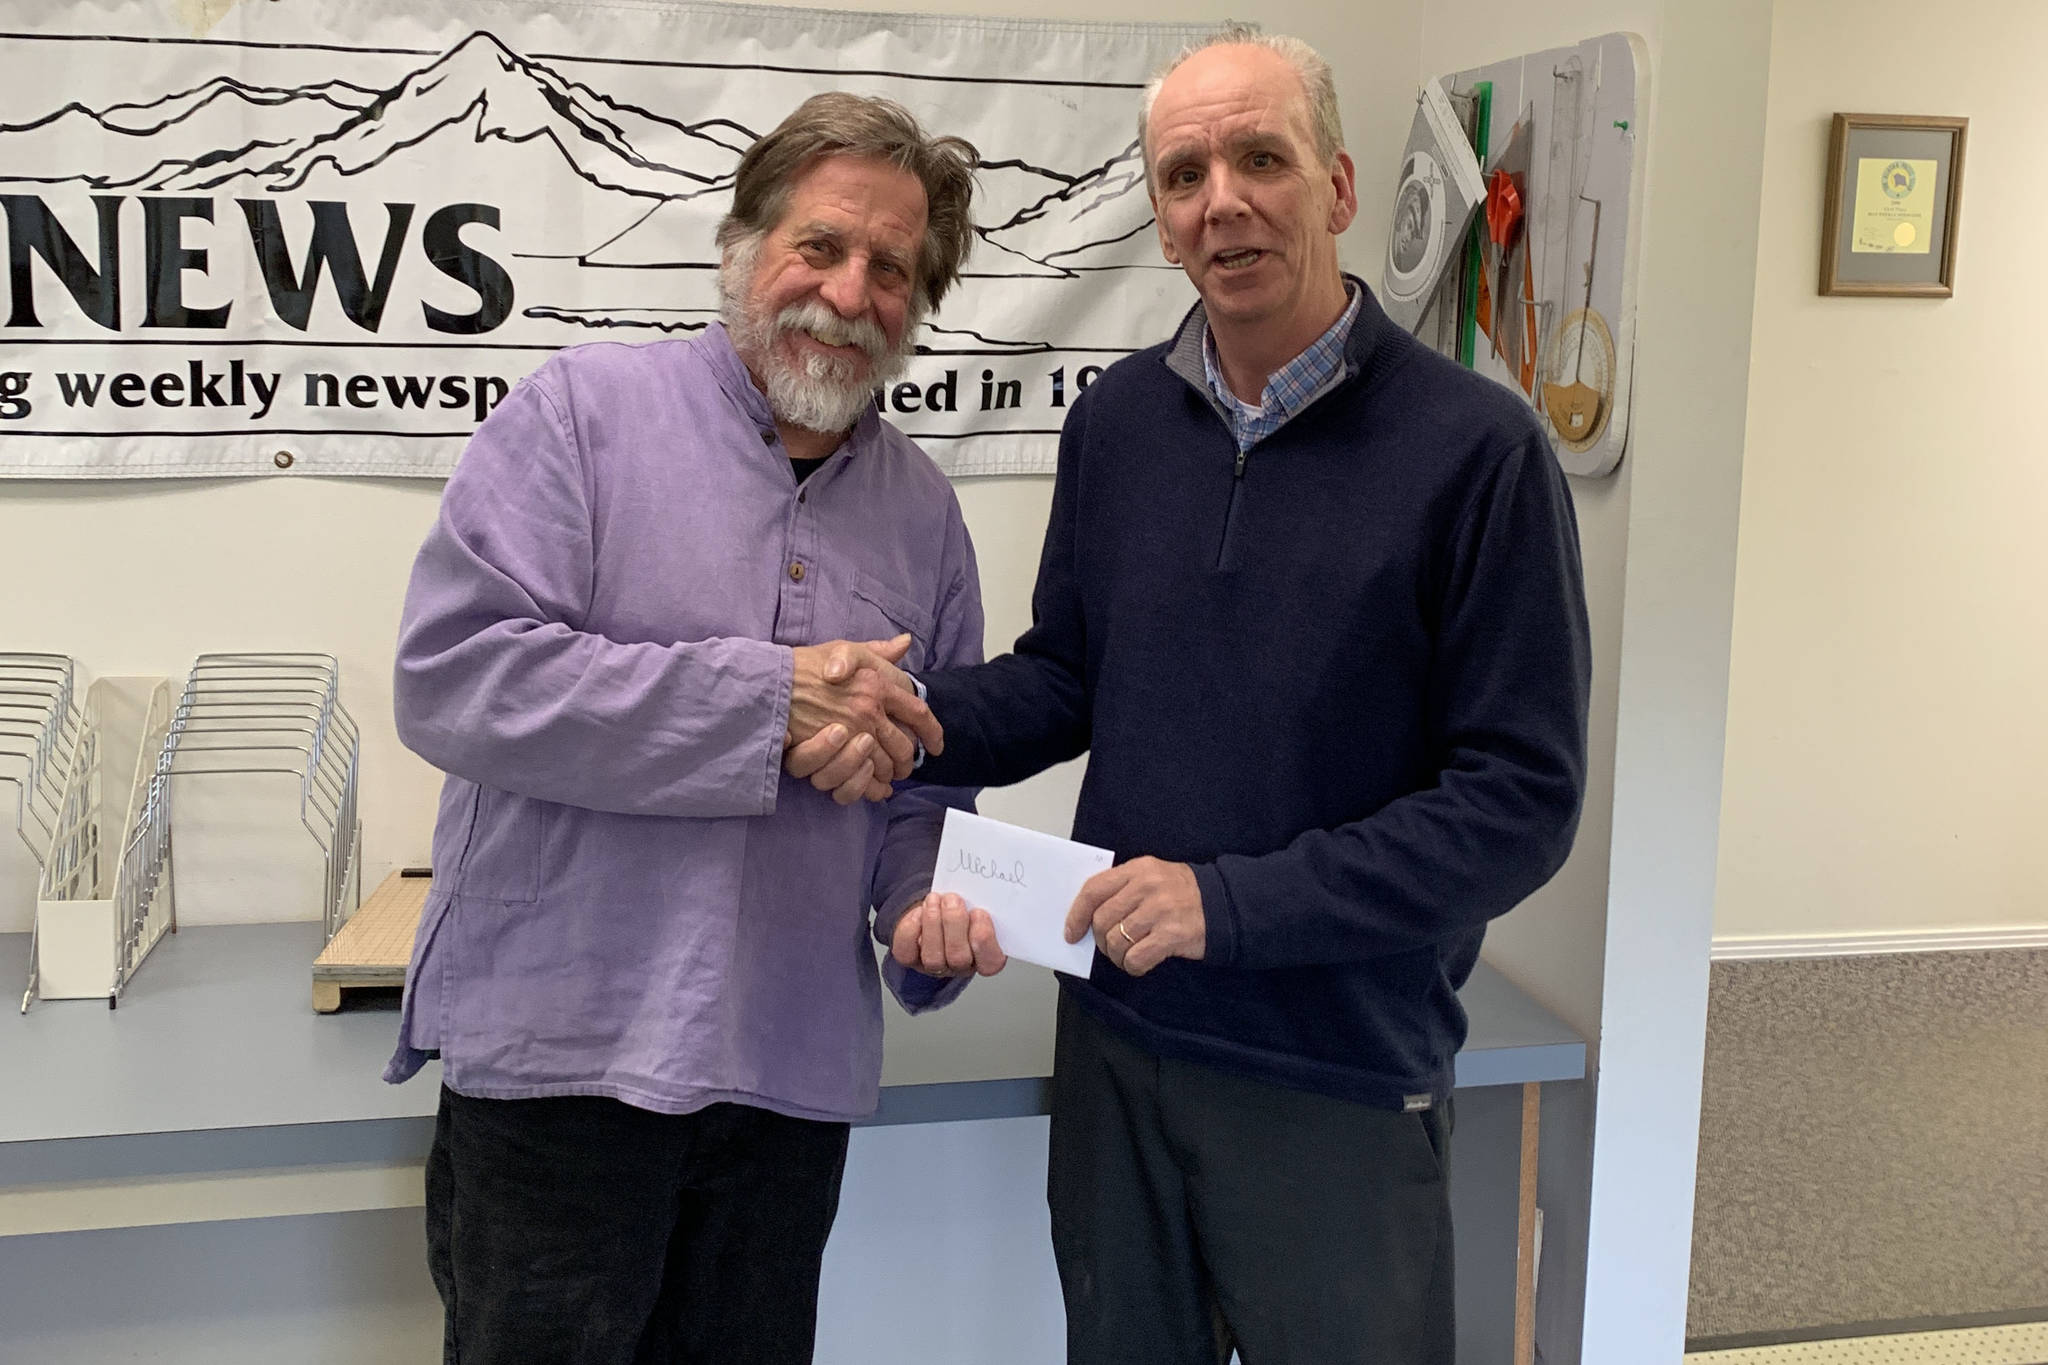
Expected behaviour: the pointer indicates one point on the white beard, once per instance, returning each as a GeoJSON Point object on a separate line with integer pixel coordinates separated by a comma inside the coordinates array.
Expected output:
{"type": "Point", "coordinates": [819, 392]}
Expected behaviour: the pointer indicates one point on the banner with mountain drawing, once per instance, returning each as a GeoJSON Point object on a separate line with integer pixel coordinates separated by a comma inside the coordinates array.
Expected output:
{"type": "Point", "coordinates": [325, 237]}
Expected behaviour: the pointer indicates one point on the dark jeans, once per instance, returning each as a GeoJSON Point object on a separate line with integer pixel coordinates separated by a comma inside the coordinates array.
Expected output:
{"type": "Point", "coordinates": [1194, 1212]}
{"type": "Point", "coordinates": [584, 1231]}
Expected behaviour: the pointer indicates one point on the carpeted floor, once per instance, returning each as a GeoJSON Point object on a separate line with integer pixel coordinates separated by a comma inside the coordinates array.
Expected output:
{"type": "Point", "coordinates": [1873, 1142]}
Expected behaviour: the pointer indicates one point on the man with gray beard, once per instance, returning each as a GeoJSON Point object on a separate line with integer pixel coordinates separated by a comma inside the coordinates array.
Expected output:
{"type": "Point", "coordinates": [645, 963]}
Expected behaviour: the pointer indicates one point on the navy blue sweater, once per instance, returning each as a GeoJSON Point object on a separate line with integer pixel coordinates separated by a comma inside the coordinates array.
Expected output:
{"type": "Point", "coordinates": [1345, 678]}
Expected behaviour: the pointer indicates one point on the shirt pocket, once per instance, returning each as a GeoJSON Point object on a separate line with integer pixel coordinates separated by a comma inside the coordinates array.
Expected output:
{"type": "Point", "coordinates": [880, 612]}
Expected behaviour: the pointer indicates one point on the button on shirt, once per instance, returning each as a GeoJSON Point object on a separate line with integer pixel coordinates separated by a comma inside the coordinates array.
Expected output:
{"type": "Point", "coordinates": [1289, 389]}
{"type": "Point", "coordinates": [631, 899]}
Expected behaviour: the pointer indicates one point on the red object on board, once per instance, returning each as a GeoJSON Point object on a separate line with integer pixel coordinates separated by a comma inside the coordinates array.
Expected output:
{"type": "Point", "coordinates": [1503, 209]}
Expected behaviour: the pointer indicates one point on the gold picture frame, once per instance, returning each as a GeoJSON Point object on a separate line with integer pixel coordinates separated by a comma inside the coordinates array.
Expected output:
{"type": "Point", "coordinates": [1894, 198]}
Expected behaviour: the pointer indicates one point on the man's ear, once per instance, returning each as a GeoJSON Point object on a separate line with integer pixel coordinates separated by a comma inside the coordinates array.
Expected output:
{"type": "Point", "coordinates": [1166, 247]}
{"type": "Point", "coordinates": [1344, 178]}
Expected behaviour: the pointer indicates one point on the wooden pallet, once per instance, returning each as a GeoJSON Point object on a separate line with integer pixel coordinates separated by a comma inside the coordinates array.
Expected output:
{"type": "Point", "coordinates": [374, 947]}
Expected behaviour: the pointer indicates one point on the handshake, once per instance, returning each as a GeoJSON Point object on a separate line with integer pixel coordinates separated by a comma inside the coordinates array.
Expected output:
{"type": "Point", "coordinates": [855, 724]}
{"type": "Point", "coordinates": [855, 720]}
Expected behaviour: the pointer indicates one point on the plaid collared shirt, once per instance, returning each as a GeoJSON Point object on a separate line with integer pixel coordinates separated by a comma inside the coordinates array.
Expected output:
{"type": "Point", "coordinates": [1289, 388]}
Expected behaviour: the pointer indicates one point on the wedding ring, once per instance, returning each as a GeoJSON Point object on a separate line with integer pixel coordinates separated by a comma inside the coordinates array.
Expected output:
{"type": "Point", "coordinates": [1126, 933]}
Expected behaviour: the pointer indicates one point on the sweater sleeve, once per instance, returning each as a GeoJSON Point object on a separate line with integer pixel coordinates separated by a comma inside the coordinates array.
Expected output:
{"type": "Point", "coordinates": [497, 682]}
{"type": "Point", "coordinates": [1027, 710]}
{"type": "Point", "coordinates": [1507, 711]}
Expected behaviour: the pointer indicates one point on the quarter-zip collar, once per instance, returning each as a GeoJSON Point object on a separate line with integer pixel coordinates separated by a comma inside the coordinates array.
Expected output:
{"type": "Point", "coordinates": [1373, 349]}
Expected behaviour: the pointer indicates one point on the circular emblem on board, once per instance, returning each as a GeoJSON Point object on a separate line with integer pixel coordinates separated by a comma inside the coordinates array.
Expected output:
{"type": "Point", "coordinates": [1417, 246]}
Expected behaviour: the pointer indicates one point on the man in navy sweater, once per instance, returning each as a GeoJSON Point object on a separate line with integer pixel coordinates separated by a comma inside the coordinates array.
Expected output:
{"type": "Point", "coordinates": [1311, 601]}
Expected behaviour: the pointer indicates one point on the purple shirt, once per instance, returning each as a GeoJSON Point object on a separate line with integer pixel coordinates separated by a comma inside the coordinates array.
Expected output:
{"type": "Point", "coordinates": [630, 897]}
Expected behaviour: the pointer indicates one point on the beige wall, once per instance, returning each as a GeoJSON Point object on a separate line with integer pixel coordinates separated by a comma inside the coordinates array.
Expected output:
{"type": "Point", "coordinates": [1886, 727]}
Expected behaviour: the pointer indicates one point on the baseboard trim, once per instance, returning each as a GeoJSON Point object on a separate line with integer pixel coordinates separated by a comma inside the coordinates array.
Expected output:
{"type": "Point", "coordinates": [1768, 947]}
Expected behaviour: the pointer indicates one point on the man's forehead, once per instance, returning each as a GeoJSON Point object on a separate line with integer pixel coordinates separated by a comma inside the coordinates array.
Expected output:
{"type": "Point", "coordinates": [1234, 91]}
{"type": "Point", "coordinates": [1230, 131]}
{"type": "Point", "coordinates": [846, 187]}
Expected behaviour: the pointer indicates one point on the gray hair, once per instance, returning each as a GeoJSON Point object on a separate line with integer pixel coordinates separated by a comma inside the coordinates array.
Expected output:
{"type": "Point", "coordinates": [1317, 84]}
{"type": "Point", "coordinates": [840, 124]}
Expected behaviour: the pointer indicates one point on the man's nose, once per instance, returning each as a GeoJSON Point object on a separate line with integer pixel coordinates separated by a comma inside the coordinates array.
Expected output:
{"type": "Point", "coordinates": [1226, 196]}
{"type": "Point", "coordinates": [845, 288]}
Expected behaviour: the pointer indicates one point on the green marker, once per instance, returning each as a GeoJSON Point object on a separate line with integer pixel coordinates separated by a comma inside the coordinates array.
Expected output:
{"type": "Point", "coordinates": [1468, 320]}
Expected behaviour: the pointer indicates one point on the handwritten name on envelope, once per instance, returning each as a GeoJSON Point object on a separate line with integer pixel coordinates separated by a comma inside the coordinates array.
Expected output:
{"type": "Point", "coordinates": [1026, 881]}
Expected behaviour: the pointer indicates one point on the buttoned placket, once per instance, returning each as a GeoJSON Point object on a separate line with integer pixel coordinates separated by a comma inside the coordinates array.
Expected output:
{"type": "Point", "coordinates": [800, 580]}
{"type": "Point", "coordinates": [796, 596]}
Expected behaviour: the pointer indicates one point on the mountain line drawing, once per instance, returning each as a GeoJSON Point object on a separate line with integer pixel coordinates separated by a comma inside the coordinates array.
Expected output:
{"type": "Point", "coordinates": [644, 190]}
{"type": "Point", "coordinates": [130, 145]}
{"type": "Point", "coordinates": [479, 86]}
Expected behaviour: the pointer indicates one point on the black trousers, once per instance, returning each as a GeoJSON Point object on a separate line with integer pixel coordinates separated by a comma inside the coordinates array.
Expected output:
{"type": "Point", "coordinates": [585, 1231]}
{"type": "Point", "coordinates": [1194, 1212]}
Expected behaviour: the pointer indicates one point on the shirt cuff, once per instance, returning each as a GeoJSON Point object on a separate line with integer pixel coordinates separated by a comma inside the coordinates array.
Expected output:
{"type": "Point", "coordinates": [924, 695]}
{"type": "Point", "coordinates": [918, 993]}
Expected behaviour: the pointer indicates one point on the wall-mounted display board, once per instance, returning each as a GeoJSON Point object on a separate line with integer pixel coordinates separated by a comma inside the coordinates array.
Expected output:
{"type": "Point", "coordinates": [1531, 282]}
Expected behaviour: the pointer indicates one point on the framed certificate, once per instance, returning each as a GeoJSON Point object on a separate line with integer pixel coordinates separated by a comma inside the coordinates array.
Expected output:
{"type": "Point", "coordinates": [1894, 192]}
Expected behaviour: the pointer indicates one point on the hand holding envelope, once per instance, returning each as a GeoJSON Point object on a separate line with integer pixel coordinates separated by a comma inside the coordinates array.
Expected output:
{"type": "Point", "coordinates": [999, 891]}
{"type": "Point", "coordinates": [1025, 880]}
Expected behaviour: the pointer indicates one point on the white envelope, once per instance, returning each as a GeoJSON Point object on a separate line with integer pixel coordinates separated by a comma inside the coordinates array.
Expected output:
{"type": "Point", "coordinates": [1026, 881]}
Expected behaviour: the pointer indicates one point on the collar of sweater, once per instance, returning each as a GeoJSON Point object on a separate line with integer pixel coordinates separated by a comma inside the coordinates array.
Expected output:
{"type": "Point", "coordinates": [1372, 351]}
